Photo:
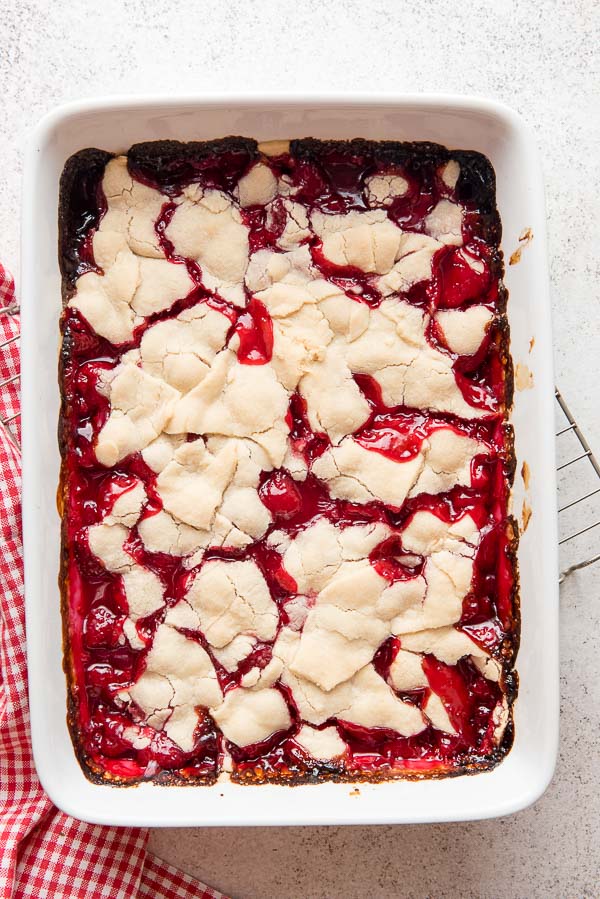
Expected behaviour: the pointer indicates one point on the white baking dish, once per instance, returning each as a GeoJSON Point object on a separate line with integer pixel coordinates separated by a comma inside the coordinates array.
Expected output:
{"type": "Point", "coordinates": [458, 123]}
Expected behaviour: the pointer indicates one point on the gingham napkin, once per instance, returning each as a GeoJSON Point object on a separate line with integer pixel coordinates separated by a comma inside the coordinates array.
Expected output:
{"type": "Point", "coordinates": [43, 852]}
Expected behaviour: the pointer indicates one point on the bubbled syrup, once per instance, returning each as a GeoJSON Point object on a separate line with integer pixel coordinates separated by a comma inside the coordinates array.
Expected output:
{"type": "Point", "coordinates": [329, 178]}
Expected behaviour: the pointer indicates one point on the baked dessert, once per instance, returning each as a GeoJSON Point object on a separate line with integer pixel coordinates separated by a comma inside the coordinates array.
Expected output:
{"type": "Point", "coordinates": [287, 548]}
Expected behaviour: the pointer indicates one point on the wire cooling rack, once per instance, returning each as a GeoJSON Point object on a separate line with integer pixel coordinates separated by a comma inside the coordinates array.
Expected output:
{"type": "Point", "coordinates": [578, 490]}
{"type": "Point", "coordinates": [9, 421]}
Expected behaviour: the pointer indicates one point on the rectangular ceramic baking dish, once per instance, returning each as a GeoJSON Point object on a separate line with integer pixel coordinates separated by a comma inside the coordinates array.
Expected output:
{"type": "Point", "coordinates": [115, 124]}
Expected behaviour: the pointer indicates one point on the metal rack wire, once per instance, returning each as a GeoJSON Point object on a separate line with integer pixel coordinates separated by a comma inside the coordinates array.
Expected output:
{"type": "Point", "coordinates": [570, 426]}
{"type": "Point", "coordinates": [8, 421]}
{"type": "Point", "coordinates": [583, 454]}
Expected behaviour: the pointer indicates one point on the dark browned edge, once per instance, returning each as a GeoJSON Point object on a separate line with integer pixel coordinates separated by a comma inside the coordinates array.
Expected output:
{"type": "Point", "coordinates": [78, 166]}
{"type": "Point", "coordinates": [477, 184]}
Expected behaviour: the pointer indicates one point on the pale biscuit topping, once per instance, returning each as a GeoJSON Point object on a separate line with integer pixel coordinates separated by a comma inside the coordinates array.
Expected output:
{"type": "Point", "coordinates": [210, 426]}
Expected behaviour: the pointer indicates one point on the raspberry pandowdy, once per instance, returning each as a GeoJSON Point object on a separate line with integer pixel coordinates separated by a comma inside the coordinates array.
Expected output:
{"type": "Point", "coordinates": [287, 553]}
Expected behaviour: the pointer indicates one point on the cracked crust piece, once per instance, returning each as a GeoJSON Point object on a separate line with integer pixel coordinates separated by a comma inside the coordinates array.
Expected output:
{"type": "Point", "coordinates": [394, 350]}
{"type": "Point", "coordinates": [383, 188]}
{"type": "Point", "coordinates": [324, 745]}
{"type": "Point", "coordinates": [232, 599]}
{"type": "Point", "coordinates": [285, 377]}
{"type": "Point", "coordinates": [435, 598]}
{"type": "Point", "coordinates": [361, 475]}
{"type": "Point", "coordinates": [140, 407]}
{"type": "Point", "coordinates": [364, 699]}
{"type": "Point", "coordinates": [180, 351]}
{"type": "Point", "coordinates": [235, 400]}
{"type": "Point", "coordinates": [318, 551]}
{"type": "Point", "coordinates": [342, 631]}
{"type": "Point", "coordinates": [368, 241]}
{"type": "Point", "coordinates": [192, 485]}
{"type": "Point", "coordinates": [179, 676]}
{"type": "Point", "coordinates": [257, 187]}
{"type": "Point", "coordinates": [207, 227]}
{"type": "Point", "coordinates": [444, 223]}
{"type": "Point", "coordinates": [248, 717]}
{"type": "Point", "coordinates": [134, 278]}
{"type": "Point", "coordinates": [464, 329]}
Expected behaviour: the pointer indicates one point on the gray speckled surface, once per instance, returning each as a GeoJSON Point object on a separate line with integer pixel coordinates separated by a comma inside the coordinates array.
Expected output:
{"type": "Point", "coordinates": [541, 58]}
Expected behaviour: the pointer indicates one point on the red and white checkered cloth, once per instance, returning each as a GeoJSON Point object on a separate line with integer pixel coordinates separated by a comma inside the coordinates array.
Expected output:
{"type": "Point", "coordinates": [44, 854]}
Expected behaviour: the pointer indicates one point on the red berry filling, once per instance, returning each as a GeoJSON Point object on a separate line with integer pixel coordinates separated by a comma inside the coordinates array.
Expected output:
{"type": "Point", "coordinates": [104, 665]}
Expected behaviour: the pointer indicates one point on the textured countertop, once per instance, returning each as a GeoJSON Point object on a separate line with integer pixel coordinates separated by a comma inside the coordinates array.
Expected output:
{"type": "Point", "coordinates": [541, 58]}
